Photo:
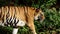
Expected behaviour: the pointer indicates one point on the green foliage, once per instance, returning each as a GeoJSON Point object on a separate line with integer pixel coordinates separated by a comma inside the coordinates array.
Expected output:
{"type": "Point", "coordinates": [52, 16]}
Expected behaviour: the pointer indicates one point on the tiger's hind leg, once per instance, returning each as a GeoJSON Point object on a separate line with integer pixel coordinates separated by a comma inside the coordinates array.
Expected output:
{"type": "Point", "coordinates": [15, 31]}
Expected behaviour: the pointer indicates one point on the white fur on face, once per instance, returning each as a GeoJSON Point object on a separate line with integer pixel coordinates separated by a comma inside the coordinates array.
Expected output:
{"type": "Point", "coordinates": [36, 17]}
{"type": "Point", "coordinates": [21, 23]}
{"type": "Point", "coordinates": [15, 30]}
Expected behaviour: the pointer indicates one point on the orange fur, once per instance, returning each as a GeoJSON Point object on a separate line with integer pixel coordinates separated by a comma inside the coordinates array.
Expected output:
{"type": "Point", "coordinates": [24, 13]}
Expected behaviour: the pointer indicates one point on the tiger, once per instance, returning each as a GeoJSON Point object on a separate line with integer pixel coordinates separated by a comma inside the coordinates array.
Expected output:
{"type": "Point", "coordinates": [19, 16]}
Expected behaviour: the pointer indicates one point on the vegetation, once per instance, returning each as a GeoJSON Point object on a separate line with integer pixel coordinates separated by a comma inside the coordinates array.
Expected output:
{"type": "Point", "coordinates": [51, 24]}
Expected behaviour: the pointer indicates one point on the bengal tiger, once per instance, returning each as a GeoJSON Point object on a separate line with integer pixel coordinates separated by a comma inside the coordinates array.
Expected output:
{"type": "Point", "coordinates": [19, 16]}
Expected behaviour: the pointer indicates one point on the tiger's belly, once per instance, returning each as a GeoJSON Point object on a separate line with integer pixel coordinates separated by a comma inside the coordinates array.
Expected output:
{"type": "Point", "coordinates": [12, 16]}
{"type": "Point", "coordinates": [13, 22]}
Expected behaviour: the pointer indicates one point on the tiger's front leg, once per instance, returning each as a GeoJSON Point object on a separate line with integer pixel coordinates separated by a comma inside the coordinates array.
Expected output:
{"type": "Point", "coordinates": [31, 24]}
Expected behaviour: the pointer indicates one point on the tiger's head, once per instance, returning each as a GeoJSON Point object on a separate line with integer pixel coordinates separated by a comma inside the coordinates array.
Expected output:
{"type": "Point", "coordinates": [39, 15]}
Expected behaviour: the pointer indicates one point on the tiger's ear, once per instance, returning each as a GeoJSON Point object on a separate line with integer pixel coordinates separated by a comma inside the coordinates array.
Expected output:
{"type": "Point", "coordinates": [37, 10]}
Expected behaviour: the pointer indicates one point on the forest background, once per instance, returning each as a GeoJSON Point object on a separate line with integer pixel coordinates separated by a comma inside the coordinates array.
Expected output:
{"type": "Point", "coordinates": [51, 9]}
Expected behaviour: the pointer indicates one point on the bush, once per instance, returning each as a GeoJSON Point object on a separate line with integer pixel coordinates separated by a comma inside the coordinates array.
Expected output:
{"type": "Point", "coordinates": [52, 16]}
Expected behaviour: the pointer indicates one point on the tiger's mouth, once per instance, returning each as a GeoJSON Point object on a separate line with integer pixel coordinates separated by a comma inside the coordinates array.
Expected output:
{"type": "Point", "coordinates": [39, 18]}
